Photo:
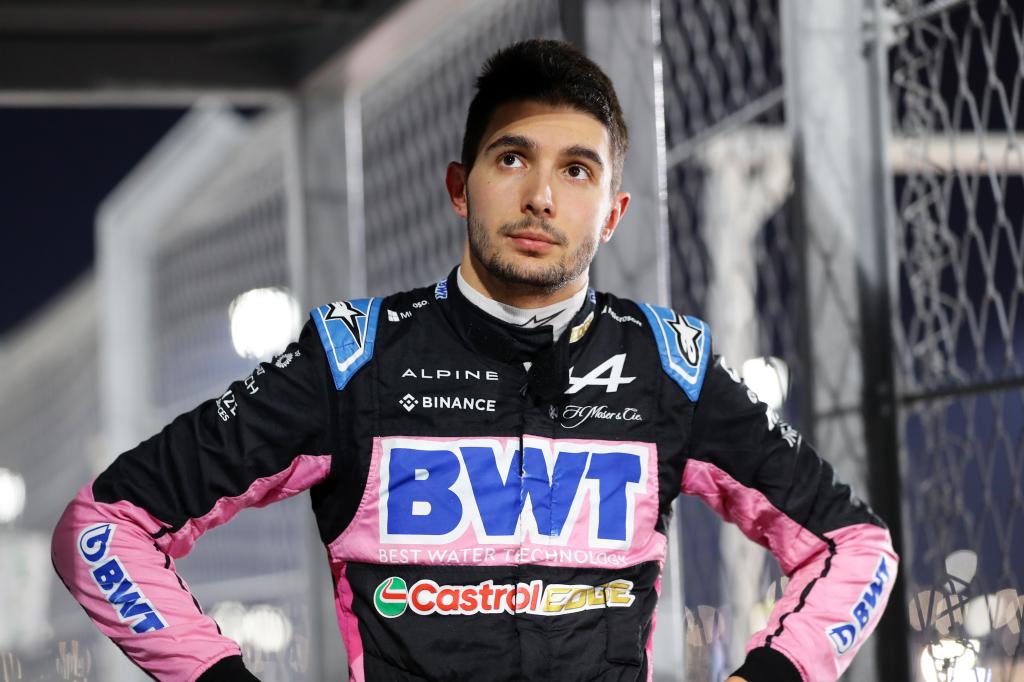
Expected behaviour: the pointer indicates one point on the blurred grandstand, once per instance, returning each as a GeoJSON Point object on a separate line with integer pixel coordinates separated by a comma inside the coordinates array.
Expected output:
{"type": "Point", "coordinates": [835, 185]}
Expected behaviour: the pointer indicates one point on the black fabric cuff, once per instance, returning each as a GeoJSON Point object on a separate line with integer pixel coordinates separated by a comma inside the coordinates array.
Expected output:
{"type": "Point", "coordinates": [230, 669]}
{"type": "Point", "coordinates": [768, 665]}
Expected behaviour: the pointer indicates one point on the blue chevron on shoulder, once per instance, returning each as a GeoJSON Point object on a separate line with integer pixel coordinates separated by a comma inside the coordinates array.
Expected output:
{"type": "Point", "coordinates": [347, 330]}
{"type": "Point", "coordinates": [684, 344]}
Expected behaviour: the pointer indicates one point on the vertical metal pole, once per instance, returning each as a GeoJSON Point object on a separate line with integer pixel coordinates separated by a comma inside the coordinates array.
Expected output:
{"type": "Point", "coordinates": [356, 215]}
{"type": "Point", "coordinates": [624, 38]}
{"type": "Point", "coordinates": [836, 110]}
{"type": "Point", "coordinates": [326, 278]}
{"type": "Point", "coordinates": [878, 282]}
{"type": "Point", "coordinates": [736, 210]}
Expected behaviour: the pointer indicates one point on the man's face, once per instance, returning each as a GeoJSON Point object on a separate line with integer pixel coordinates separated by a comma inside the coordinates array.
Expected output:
{"type": "Point", "coordinates": [538, 199]}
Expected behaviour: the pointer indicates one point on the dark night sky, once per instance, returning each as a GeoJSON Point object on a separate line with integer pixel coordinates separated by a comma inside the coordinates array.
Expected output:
{"type": "Point", "coordinates": [56, 166]}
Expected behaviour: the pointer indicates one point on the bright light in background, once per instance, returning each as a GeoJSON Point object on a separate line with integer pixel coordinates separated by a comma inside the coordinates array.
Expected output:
{"type": "Point", "coordinates": [768, 377]}
{"type": "Point", "coordinates": [267, 628]}
{"type": "Point", "coordinates": [229, 616]}
{"type": "Point", "coordinates": [950, 660]}
{"type": "Point", "coordinates": [263, 322]}
{"type": "Point", "coordinates": [12, 495]}
{"type": "Point", "coordinates": [990, 612]}
{"type": "Point", "coordinates": [961, 566]}
{"type": "Point", "coordinates": [261, 626]}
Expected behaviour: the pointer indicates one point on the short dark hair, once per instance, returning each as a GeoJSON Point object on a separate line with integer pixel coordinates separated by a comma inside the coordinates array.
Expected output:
{"type": "Point", "coordinates": [551, 72]}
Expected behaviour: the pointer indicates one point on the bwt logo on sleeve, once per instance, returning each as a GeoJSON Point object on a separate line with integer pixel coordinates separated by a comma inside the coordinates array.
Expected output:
{"type": "Point", "coordinates": [844, 635]}
{"type": "Point", "coordinates": [110, 576]}
{"type": "Point", "coordinates": [435, 492]}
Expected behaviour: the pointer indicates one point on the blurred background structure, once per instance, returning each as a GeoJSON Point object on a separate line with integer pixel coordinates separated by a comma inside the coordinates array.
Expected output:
{"type": "Point", "coordinates": [837, 186]}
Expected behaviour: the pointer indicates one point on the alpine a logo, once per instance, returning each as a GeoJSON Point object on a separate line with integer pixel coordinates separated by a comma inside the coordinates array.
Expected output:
{"type": "Point", "coordinates": [844, 635]}
{"type": "Point", "coordinates": [116, 586]}
{"type": "Point", "coordinates": [393, 597]}
{"type": "Point", "coordinates": [607, 374]}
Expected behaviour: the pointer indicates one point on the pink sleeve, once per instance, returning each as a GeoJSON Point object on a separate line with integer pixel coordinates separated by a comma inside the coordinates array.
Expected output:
{"type": "Point", "coordinates": [116, 560]}
{"type": "Point", "coordinates": [839, 581]}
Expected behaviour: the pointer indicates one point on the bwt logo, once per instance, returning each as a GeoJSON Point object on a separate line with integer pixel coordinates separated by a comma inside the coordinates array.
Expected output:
{"type": "Point", "coordinates": [114, 582]}
{"type": "Point", "coordinates": [433, 492]}
{"type": "Point", "coordinates": [844, 635]}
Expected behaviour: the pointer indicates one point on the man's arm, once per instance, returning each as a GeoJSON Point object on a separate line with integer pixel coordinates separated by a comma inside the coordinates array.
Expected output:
{"type": "Point", "coordinates": [260, 442]}
{"type": "Point", "coordinates": [758, 473]}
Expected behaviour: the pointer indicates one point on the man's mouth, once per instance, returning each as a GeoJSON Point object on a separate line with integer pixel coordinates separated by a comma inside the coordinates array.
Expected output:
{"type": "Point", "coordinates": [533, 237]}
{"type": "Point", "coordinates": [537, 242]}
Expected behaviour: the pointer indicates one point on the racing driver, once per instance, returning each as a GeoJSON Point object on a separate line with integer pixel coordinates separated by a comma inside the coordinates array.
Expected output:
{"type": "Point", "coordinates": [491, 459]}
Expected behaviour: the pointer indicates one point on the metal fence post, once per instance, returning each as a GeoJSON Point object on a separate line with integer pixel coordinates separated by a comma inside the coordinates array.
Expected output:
{"type": "Point", "coordinates": [624, 39]}
{"type": "Point", "coordinates": [324, 154]}
{"type": "Point", "coordinates": [877, 280]}
{"type": "Point", "coordinates": [836, 105]}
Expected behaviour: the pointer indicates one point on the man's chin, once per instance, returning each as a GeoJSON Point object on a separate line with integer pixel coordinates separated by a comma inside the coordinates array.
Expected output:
{"type": "Point", "coordinates": [533, 277]}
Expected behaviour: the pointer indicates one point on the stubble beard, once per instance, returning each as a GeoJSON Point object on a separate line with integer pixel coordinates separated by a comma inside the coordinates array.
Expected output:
{"type": "Point", "coordinates": [543, 279]}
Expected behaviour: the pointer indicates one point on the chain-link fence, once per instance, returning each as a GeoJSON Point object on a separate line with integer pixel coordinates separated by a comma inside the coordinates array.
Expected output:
{"type": "Point", "coordinates": [736, 261]}
{"type": "Point", "coordinates": [957, 71]}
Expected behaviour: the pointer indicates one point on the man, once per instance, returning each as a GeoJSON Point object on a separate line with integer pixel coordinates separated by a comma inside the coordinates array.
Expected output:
{"type": "Point", "coordinates": [491, 459]}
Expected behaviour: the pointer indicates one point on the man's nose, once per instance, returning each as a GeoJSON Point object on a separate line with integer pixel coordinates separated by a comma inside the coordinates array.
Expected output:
{"type": "Point", "coordinates": [538, 198]}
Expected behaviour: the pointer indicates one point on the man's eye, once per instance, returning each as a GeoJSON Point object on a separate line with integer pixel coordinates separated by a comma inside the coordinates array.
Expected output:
{"type": "Point", "coordinates": [510, 160]}
{"type": "Point", "coordinates": [578, 172]}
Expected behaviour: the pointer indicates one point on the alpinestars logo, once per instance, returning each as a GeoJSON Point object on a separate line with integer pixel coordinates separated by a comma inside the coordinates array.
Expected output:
{"type": "Point", "coordinates": [393, 597]}
{"type": "Point", "coordinates": [348, 314]}
{"type": "Point", "coordinates": [688, 338]}
{"type": "Point", "coordinates": [538, 321]}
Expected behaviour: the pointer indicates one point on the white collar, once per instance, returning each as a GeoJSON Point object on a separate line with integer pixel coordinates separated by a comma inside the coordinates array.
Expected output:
{"type": "Point", "coordinates": [557, 315]}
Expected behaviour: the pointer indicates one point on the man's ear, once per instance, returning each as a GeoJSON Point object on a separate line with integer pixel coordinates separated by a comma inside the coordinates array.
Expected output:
{"type": "Point", "coordinates": [455, 181]}
{"type": "Point", "coordinates": [620, 202]}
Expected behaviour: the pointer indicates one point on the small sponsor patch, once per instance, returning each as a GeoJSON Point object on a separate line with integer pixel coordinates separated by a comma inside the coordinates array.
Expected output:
{"type": "Point", "coordinates": [393, 597]}
{"type": "Point", "coordinates": [621, 319]}
{"type": "Point", "coordinates": [111, 577]}
{"type": "Point", "coordinates": [845, 635]}
{"type": "Point", "coordinates": [574, 415]}
{"type": "Point", "coordinates": [580, 330]}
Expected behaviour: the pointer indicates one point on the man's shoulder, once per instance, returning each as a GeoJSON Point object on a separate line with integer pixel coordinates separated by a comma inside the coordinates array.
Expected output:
{"type": "Point", "coordinates": [683, 341]}
{"type": "Point", "coordinates": [348, 328]}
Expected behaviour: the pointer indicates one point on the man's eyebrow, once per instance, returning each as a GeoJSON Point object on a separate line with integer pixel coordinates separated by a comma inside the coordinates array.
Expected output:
{"type": "Point", "coordinates": [519, 141]}
{"type": "Point", "coordinates": [586, 153]}
{"type": "Point", "coordinates": [523, 142]}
